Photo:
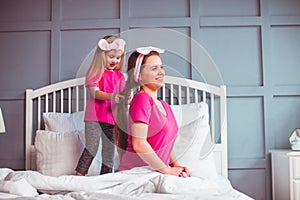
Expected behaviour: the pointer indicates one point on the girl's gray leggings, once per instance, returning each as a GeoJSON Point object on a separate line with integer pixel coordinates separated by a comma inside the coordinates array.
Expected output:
{"type": "Point", "coordinates": [94, 133]}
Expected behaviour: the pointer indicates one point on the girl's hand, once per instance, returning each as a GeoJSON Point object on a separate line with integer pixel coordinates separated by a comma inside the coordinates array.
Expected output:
{"type": "Point", "coordinates": [117, 98]}
{"type": "Point", "coordinates": [128, 99]}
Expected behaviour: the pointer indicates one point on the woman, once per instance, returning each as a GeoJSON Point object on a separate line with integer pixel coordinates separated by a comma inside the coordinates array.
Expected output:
{"type": "Point", "coordinates": [152, 128]}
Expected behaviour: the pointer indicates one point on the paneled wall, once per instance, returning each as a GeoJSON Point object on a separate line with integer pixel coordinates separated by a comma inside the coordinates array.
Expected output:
{"type": "Point", "coordinates": [254, 43]}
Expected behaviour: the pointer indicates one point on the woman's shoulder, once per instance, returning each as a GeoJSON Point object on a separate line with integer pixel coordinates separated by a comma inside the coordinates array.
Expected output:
{"type": "Point", "coordinates": [141, 101]}
{"type": "Point", "coordinates": [142, 96]}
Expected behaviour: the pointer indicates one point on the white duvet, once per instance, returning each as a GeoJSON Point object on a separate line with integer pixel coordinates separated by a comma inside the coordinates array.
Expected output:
{"type": "Point", "coordinates": [139, 183]}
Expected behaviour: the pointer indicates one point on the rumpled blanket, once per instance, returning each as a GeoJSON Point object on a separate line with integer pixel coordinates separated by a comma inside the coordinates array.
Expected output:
{"type": "Point", "coordinates": [138, 183]}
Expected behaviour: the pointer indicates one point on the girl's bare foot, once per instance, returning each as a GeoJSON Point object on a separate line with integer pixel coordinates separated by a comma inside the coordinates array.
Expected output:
{"type": "Point", "coordinates": [79, 174]}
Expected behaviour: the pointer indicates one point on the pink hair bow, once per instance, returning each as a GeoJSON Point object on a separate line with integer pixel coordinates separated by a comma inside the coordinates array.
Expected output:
{"type": "Point", "coordinates": [143, 51]}
{"type": "Point", "coordinates": [118, 44]}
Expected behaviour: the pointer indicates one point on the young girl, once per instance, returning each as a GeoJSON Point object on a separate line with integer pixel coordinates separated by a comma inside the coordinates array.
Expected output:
{"type": "Point", "coordinates": [104, 80]}
{"type": "Point", "coordinates": [152, 127]}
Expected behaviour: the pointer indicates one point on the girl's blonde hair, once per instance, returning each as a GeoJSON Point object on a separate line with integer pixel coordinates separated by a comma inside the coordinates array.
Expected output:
{"type": "Point", "coordinates": [99, 61]}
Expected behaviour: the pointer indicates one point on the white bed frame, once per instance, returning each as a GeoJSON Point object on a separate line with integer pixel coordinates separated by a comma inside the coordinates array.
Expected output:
{"type": "Point", "coordinates": [70, 96]}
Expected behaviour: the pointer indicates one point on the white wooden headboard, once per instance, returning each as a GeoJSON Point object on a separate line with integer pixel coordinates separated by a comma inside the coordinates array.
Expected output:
{"type": "Point", "coordinates": [70, 96]}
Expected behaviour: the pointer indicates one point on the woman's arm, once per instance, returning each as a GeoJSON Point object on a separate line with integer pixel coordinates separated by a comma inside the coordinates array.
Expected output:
{"type": "Point", "coordinates": [146, 152]}
{"type": "Point", "coordinates": [175, 163]}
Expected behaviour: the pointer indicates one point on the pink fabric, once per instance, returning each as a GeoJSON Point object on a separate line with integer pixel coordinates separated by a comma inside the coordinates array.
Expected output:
{"type": "Point", "coordinates": [137, 67]}
{"type": "Point", "coordinates": [162, 130]}
{"type": "Point", "coordinates": [102, 110]}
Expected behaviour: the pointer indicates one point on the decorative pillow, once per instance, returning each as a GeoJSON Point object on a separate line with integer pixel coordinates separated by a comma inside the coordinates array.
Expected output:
{"type": "Point", "coordinates": [193, 145]}
{"type": "Point", "coordinates": [64, 122]}
{"type": "Point", "coordinates": [67, 123]}
{"type": "Point", "coordinates": [58, 153]}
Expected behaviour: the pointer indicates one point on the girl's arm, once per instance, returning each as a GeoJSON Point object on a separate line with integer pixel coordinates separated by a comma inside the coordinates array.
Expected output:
{"type": "Point", "coordinates": [100, 95]}
{"type": "Point", "coordinates": [146, 152]}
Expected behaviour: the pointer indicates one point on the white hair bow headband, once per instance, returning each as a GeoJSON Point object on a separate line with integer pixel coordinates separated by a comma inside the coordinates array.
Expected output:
{"type": "Point", "coordinates": [143, 51]}
{"type": "Point", "coordinates": [147, 50]}
{"type": "Point", "coordinates": [118, 44]}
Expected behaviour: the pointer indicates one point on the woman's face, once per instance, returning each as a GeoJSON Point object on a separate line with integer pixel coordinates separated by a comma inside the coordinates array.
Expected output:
{"type": "Point", "coordinates": [152, 74]}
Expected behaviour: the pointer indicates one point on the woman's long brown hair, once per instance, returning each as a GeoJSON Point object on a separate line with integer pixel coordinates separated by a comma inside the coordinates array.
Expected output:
{"type": "Point", "coordinates": [131, 87]}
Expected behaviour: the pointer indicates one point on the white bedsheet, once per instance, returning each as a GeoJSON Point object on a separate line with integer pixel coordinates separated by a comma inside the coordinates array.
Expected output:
{"type": "Point", "coordinates": [139, 183]}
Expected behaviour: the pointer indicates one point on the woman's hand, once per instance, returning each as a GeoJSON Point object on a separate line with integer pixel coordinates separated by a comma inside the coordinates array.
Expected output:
{"type": "Point", "coordinates": [174, 163]}
{"type": "Point", "coordinates": [175, 171]}
{"type": "Point", "coordinates": [185, 172]}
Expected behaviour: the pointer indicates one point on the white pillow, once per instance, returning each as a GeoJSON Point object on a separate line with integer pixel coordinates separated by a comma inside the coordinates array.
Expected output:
{"type": "Point", "coordinates": [4, 172]}
{"type": "Point", "coordinates": [187, 113]}
{"type": "Point", "coordinates": [57, 153]}
{"type": "Point", "coordinates": [20, 187]}
{"type": "Point", "coordinates": [193, 146]}
{"type": "Point", "coordinates": [64, 122]}
{"type": "Point", "coordinates": [78, 120]}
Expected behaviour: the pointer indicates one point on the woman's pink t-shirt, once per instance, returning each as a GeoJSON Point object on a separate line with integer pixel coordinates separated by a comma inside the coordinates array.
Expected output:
{"type": "Point", "coordinates": [102, 110]}
{"type": "Point", "coordinates": [162, 130]}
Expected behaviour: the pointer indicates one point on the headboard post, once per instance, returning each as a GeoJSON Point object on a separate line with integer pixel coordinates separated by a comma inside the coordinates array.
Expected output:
{"type": "Point", "coordinates": [223, 127]}
{"type": "Point", "coordinates": [28, 128]}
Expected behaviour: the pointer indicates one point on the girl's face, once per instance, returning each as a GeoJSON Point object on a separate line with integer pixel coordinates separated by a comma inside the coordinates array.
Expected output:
{"type": "Point", "coordinates": [152, 74]}
{"type": "Point", "coordinates": [113, 59]}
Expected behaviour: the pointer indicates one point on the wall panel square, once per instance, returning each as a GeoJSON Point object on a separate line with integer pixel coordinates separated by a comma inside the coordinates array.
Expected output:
{"type": "Point", "coordinates": [22, 55]}
{"type": "Point", "coordinates": [237, 53]}
{"type": "Point", "coordinates": [91, 9]}
{"type": "Point", "coordinates": [175, 41]}
{"type": "Point", "coordinates": [285, 117]}
{"type": "Point", "coordinates": [13, 139]}
{"type": "Point", "coordinates": [29, 10]}
{"type": "Point", "coordinates": [159, 9]}
{"type": "Point", "coordinates": [251, 182]}
{"type": "Point", "coordinates": [284, 7]}
{"type": "Point", "coordinates": [285, 59]}
{"type": "Point", "coordinates": [77, 49]}
{"type": "Point", "coordinates": [229, 8]}
{"type": "Point", "coordinates": [245, 127]}
{"type": "Point", "coordinates": [178, 59]}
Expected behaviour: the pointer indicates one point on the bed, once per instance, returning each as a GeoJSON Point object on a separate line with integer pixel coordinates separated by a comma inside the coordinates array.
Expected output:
{"type": "Point", "coordinates": [54, 138]}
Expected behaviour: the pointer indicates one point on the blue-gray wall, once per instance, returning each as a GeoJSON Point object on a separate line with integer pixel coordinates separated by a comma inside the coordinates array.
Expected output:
{"type": "Point", "coordinates": [255, 44]}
